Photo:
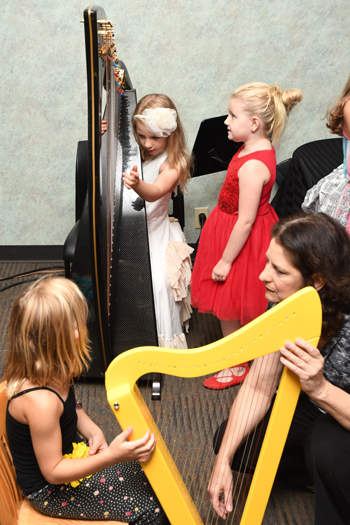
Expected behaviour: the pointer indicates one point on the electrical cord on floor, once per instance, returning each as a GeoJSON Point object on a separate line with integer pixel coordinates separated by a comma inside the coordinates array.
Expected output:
{"type": "Point", "coordinates": [47, 270]}
{"type": "Point", "coordinates": [16, 284]}
{"type": "Point", "coordinates": [37, 270]}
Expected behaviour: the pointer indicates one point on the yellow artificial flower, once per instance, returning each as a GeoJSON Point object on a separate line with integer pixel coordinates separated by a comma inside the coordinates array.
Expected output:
{"type": "Point", "coordinates": [80, 450]}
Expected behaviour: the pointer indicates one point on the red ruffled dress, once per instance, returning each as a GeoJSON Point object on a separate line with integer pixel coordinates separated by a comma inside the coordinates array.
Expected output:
{"type": "Point", "coordinates": [242, 295]}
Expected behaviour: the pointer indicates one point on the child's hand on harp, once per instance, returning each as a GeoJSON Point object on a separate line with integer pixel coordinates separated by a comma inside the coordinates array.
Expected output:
{"type": "Point", "coordinates": [122, 450]}
{"type": "Point", "coordinates": [131, 179]}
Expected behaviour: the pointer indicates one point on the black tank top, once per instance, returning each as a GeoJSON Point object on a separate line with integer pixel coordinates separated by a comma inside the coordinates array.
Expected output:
{"type": "Point", "coordinates": [29, 476]}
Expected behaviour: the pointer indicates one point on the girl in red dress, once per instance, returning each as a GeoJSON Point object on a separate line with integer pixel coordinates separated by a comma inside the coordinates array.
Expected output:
{"type": "Point", "coordinates": [231, 252]}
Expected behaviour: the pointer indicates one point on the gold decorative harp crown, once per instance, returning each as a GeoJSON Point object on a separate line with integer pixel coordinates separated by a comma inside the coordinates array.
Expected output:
{"type": "Point", "coordinates": [298, 316]}
{"type": "Point", "coordinates": [108, 51]}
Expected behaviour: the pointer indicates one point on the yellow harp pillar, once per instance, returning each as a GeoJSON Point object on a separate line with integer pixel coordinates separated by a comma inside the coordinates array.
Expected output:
{"type": "Point", "coordinates": [298, 316]}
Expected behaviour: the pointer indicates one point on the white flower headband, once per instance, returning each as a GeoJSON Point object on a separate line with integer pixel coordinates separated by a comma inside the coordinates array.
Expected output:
{"type": "Point", "coordinates": [160, 121]}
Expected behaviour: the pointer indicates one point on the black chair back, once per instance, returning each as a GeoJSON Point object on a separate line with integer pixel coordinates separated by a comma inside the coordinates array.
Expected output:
{"type": "Point", "coordinates": [310, 163]}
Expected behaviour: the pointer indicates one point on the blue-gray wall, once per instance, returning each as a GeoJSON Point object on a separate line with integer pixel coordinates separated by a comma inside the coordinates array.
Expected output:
{"type": "Point", "coordinates": [195, 52]}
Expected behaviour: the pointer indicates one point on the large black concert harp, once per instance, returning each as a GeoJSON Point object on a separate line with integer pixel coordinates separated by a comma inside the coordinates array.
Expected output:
{"type": "Point", "coordinates": [111, 263]}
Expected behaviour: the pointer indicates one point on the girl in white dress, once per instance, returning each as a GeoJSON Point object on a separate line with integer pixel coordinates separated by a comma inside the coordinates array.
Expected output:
{"type": "Point", "coordinates": [166, 166]}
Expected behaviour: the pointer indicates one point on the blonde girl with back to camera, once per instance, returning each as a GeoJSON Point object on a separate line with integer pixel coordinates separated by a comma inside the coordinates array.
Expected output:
{"type": "Point", "coordinates": [234, 240]}
{"type": "Point", "coordinates": [56, 470]}
{"type": "Point", "coordinates": [166, 165]}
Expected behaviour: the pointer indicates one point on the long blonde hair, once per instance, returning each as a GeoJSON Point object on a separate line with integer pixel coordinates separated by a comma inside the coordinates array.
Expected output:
{"type": "Point", "coordinates": [269, 103]}
{"type": "Point", "coordinates": [42, 343]}
{"type": "Point", "coordinates": [178, 155]}
{"type": "Point", "coordinates": [336, 114]}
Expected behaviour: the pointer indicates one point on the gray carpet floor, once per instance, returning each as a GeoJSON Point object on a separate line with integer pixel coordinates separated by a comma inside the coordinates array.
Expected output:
{"type": "Point", "coordinates": [187, 417]}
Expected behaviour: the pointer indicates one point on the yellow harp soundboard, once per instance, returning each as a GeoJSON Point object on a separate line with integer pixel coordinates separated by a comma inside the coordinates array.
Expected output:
{"type": "Point", "coordinates": [298, 316]}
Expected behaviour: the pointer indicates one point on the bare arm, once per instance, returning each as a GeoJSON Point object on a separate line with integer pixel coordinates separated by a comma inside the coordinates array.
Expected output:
{"type": "Point", "coordinates": [248, 410]}
{"type": "Point", "coordinates": [164, 183]}
{"type": "Point", "coordinates": [43, 413]}
{"type": "Point", "coordinates": [306, 362]}
{"type": "Point", "coordinates": [252, 177]}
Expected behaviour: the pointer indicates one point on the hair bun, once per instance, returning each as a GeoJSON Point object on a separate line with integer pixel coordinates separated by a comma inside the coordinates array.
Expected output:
{"type": "Point", "coordinates": [291, 97]}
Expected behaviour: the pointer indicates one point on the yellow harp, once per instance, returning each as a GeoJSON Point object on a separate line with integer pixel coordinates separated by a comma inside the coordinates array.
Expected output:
{"type": "Point", "coordinates": [298, 316]}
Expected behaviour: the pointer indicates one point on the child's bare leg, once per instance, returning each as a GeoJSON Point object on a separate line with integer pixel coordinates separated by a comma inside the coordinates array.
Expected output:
{"type": "Point", "coordinates": [229, 375]}
{"type": "Point", "coordinates": [228, 327]}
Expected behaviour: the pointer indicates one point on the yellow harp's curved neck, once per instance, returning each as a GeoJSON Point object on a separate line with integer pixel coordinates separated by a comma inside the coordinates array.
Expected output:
{"type": "Point", "coordinates": [287, 320]}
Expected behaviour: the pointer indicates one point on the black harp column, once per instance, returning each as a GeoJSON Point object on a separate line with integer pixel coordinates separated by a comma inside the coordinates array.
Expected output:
{"type": "Point", "coordinates": [111, 263]}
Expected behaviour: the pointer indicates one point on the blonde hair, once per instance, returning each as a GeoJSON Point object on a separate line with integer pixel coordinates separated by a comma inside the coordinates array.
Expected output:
{"type": "Point", "coordinates": [178, 155]}
{"type": "Point", "coordinates": [41, 339]}
{"type": "Point", "coordinates": [336, 114]}
{"type": "Point", "coordinates": [270, 104]}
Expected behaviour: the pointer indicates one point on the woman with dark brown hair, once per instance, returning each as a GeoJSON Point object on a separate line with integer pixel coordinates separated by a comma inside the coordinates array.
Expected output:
{"type": "Point", "coordinates": [307, 249]}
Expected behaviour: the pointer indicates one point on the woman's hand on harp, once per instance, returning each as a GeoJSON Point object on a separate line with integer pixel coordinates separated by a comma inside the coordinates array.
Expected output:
{"type": "Point", "coordinates": [139, 450]}
{"type": "Point", "coordinates": [103, 126]}
{"type": "Point", "coordinates": [306, 362]}
{"type": "Point", "coordinates": [220, 488]}
{"type": "Point", "coordinates": [132, 179]}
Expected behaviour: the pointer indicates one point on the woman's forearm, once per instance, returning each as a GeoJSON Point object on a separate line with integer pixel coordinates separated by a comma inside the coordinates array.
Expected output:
{"type": "Point", "coordinates": [335, 402]}
{"type": "Point", "coordinates": [251, 403]}
{"type": "Point", "coordinates": [247, 412]}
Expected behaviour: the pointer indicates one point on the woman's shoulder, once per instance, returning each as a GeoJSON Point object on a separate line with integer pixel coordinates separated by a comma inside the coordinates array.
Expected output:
{"type": "Point", "coordinates": [340, 340]}
{"type": "Point", "coordinates": [336, 353]}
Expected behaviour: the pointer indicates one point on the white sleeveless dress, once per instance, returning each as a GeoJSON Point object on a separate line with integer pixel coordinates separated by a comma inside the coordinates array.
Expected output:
{"type": "Point", "coordinates": [170, 264]}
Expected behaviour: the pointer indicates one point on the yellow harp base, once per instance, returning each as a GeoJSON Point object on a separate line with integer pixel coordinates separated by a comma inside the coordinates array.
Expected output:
{"type": "Point", "coordinates": [298, 316]}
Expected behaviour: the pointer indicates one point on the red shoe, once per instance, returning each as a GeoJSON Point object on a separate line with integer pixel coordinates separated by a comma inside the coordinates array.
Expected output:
{"type": "Point", "coordinates": [214, 384]}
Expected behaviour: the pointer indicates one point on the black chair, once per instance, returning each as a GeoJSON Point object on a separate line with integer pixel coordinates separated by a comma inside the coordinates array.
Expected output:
{"type": "Point", "coordinates": [81, 185]}
{"type": "Point", "coordinates": [309, 163]}
{"type": "Point", "coordinates": [282, 171]}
